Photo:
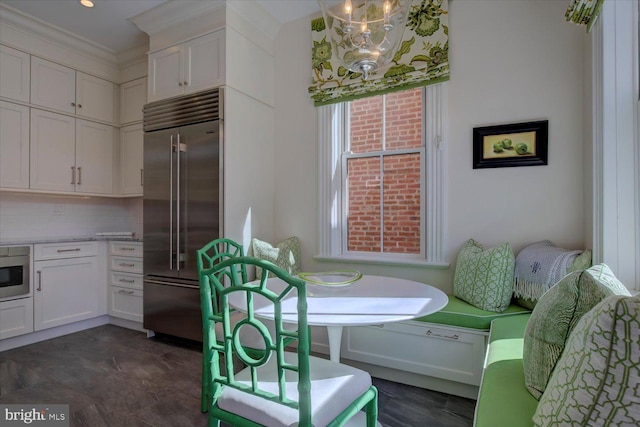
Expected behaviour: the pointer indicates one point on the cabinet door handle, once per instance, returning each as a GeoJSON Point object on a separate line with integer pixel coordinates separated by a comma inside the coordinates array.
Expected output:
{"type": "Point", "coordinates": [429, 333]}
{"type": "Point", "coordinates": [122, 264]}
{"type": "Point", "coordinates": [180, 84]}
{"type": "Point", "coordinates": [73, 104]}
{"type": "Point", "coordinates": [122, 291]}
{"type": "Point", "coordinates": [127, 281]}
{"type": "Point", "coordinates": [142, 177]}
{"type": "Point", "coordinates": [186, 83]}
{"type": "Point", "coordinates": [125, 248]}
{"type": "Point", "coordinates": [69, 250]}
{"type": "Point", "coordinates": [79, 105]}
{"type": "Point", "coordinates": [39, 289]}
{"type": "Point", "coordinates": [73, 175]}
{"type": "Point", "coordinates": [79, 175]}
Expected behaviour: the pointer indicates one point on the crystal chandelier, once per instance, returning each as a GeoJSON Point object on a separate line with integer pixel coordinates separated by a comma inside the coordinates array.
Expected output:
{"type": "Point", "coordinates": [365, 34]}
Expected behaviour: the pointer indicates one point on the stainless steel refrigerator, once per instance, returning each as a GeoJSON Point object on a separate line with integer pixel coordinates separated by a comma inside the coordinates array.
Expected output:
{"type": "Point", "coordinates": [182, 206]}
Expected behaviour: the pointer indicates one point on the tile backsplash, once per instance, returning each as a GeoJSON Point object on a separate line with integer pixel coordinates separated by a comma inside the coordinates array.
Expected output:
{"type": "Point", "coordinates": [33, 216]}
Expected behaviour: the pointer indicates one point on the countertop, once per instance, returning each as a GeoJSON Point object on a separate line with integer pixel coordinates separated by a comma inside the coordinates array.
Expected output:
{"type": "Point", "coordinates": [35, 240]}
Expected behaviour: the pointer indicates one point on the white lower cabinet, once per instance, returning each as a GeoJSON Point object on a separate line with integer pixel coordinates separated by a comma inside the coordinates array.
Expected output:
{"type": "Point", "coordinates": [66, 289]}
{"type": "Point", "coordinates": [125, 280]}
{"type": "Point", "coordinates": [125, 303]}
{"type": "Point", "coordinates": [439, 351]}
{"type": "Point", "coordinates": [16, 317]}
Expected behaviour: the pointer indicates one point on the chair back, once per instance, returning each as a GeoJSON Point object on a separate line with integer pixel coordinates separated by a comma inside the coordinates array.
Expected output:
{"type": "Point", "coordinates": [215, 252]}
{"type": "Point", "coordinates": [213, 285]}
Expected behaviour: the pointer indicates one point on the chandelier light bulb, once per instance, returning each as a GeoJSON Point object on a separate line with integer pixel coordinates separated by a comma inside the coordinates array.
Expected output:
{"type": "Point", "coordinates": [86, 3]}
{"type": "Point", "coordinates": [365, 34]}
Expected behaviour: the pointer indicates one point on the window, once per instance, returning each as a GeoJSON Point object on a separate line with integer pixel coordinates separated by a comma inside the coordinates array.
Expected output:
{"type": "Point", "coordinates": [381, 178]}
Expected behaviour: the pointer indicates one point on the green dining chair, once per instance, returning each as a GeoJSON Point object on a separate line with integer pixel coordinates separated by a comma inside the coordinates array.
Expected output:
{"type": "Point", "coordinates": [279, 388]}
{"type": "Point", "coordinates": [209, 255]}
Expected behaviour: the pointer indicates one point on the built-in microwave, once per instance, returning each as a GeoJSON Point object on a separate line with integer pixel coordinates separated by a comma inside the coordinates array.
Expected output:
{"type": "Point", "coordinates": [14, 271]}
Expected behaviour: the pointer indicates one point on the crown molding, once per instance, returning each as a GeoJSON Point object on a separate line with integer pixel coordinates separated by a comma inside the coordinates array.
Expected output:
{"type": "Point", "coordinates": [56, 35]}
{"type": "Point", "coordinates": [133, 56]}
{"type": "Point", "coordinates": [173, 13]}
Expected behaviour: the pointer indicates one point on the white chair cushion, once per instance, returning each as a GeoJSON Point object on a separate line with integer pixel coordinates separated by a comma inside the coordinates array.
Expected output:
{"type": "Point", "coordinates": [334, 386]}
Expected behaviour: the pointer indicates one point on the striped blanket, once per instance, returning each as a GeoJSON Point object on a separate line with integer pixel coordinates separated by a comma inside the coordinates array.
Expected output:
{"type": "Point", "coordinates": [540, 266]}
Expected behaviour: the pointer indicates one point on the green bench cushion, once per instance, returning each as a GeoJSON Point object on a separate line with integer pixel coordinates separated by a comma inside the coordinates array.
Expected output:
{"type": "Point", "coordinates": [503, 378]}
{"type": "Point", "coordinates": [464, 315]}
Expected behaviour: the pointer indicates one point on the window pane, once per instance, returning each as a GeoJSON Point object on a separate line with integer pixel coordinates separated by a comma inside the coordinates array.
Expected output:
{"type": "Point", "coordinates": [363, 222]}
{"type": "Point", "coordinates": [403, 119]}
{"type": "Point", "coordinates": [366, 124]}
{"type": "Point", "coordinates": [402, 203]}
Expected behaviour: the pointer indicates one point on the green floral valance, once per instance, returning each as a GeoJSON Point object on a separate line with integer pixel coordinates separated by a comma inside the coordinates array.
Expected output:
{"type": "Point", "coordinates": [422, 59]}
{"type": "Point", "coordinates": [584, 12]}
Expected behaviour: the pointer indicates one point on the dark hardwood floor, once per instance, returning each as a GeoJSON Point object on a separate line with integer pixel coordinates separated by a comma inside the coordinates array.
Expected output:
{"type": "Point", "coordinates": [111, 376]}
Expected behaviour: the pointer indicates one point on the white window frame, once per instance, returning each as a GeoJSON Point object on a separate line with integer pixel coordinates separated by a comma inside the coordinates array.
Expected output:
{"type": "Point", "coordinates": [616, 146]}
{"type": "Point", "coordinates": [332, 227]}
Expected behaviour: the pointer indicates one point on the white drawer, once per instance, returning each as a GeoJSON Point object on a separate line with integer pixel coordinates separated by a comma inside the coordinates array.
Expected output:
{"type": "Point", "coordinates": [126, 264]}
{"type": "Point", "coordinates": [126, 248]}
{"type": "Point", "coordinates": [126, 280]}
{"type": "Point", "coordinates": [125, 303]}
{"type": "Point", "coordinates": [16, 317]}
{"type": "Point", "coordinates": [454, 354]}
{"type": "Point", "coordinates": [42, 251]}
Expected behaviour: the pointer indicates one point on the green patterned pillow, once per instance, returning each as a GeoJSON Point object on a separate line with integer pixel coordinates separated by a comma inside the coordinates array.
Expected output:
{"type": "Point", "coordinates": [484, 277]}
{"type": "Point", "coordinates": [556, 315]}
{"type": "Point", "coordinates": [597, 380]}
{"type": "Point", "coordinates": [285, 255]}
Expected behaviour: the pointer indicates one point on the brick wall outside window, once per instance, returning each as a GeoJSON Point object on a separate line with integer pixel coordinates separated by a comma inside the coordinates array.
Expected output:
{"type": "Point", "coordinates": [384, 190]}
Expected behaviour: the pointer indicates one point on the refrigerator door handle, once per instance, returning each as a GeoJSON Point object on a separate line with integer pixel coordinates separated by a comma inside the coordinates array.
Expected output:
{"type": "Point", "coordinates": [171, 203]}
{"type": "Point", "coordinates": [178, 207]}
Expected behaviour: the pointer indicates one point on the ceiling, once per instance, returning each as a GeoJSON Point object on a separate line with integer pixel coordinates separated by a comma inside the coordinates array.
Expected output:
{"type": "Point", "coordinates": [107, 23]}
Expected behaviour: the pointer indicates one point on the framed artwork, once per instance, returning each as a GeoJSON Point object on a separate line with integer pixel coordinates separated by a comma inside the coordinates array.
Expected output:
{"type": "Point", "coordinates": [515, 144]}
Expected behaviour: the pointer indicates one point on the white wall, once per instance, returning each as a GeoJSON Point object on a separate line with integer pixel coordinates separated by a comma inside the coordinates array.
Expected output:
{"type": "Point", "coordinates": [511, 61]}
{"type": "Point", "coordinates": [34, 216]}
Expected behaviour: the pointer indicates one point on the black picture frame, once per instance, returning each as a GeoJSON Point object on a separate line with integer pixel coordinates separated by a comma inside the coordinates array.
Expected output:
{"type": "Point", "coordinates": [510, 145]}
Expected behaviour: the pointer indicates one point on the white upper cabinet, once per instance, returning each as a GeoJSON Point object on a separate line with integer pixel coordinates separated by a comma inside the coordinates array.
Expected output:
{"type": "Point", "coordinates": [14, 145]}
{"type": "Point", "coordinates": [204, 62]}
{"type": "Point", "coordinates": [53, 139]}
{"type": "Point", "coordinates": [187, 68]}
{"type": "Point", "coordinates": [133, 96]}
{"type": "Point", "coordinates": [70, 155]}
{"type": "Point", "coordinates": [14, 74]}
{"type": "Point", "coordinates": [95, 98]}
{"type": "Point", "coordinates": [63, 89]}
{"type": "Point", "coordinates": [94, 157]}
{"type": "Point", "coordinates": [131, 159]}
{"type": "Point", "coordinates": [53, 85]}
{"type": "Point", "coordinates": [165, 76]}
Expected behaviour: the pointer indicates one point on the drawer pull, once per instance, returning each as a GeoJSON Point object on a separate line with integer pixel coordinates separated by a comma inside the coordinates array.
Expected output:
{"type": "Point", "coordinates": [124, 264]}
{"type": "Point", "coordinates": [122, 291]}
{"type": "Point", "coordinates": [127, 281]}
{"type": "Point", "coordinates": [69, 250]}
{"type": "Point", "coordinates": [449, 337]}
{"type": "Point", "coordinates": [125, 248]}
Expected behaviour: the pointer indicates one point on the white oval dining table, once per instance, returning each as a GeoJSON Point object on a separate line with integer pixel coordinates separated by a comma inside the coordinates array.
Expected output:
{"type": "Point", "coordinates": [371, 300]}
